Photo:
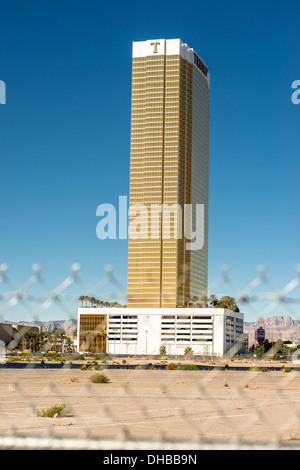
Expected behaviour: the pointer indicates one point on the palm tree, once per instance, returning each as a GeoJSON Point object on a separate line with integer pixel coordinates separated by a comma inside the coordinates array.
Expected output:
{"type": "Point", "coordinates": [187, 300]}
{"type": "Point", "coordinates": [33, 338]}
{"type": "Point", "coordinates": [195, 300]}
{"type": "Point", "coordinates": [35, 341]}
{"type": "Point", "coordinates": [57, 334]}
{"type": "Point", "coordinates": [26, 337]}
{"type": "Point", "coordinates": [213, 300]}
{"type": "Point", "coordinates": [226, 300]}
{"type": "Point", "coordinates": [82, 298]}
{"type": "Point", "coordinates": [92, 300]}
{"type": "Point", "coordinates": [42, 338]}
{"type": "Point", "coordinates": [47, 339]}
{"type": "Point", "coordinates": [69, 343]}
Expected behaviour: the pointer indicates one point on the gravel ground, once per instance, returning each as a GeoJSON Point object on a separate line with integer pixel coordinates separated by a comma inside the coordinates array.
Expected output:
{"type": "Point", "coordinates": [153, 404]}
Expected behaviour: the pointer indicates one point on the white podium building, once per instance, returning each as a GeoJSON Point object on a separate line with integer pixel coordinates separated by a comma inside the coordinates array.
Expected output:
{"type": "Point", "coordinates": [142, 331]}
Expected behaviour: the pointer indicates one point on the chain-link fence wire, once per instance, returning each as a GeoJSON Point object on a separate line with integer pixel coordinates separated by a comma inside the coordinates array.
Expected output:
{"type": "Point", "coordinates": [235, 402]}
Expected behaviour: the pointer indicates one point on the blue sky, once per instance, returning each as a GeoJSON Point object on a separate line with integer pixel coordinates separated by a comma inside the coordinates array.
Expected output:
{"type": "Point", "coordinates": [65, 131]}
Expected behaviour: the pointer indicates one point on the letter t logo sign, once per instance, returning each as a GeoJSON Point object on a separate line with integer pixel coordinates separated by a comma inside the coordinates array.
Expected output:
{"type": "Point", "coordinates": [155, 44]}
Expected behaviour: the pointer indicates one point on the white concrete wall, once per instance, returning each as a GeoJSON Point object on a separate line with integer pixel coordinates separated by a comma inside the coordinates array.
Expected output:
{"type": "Point", "coordinates": [219, 332]}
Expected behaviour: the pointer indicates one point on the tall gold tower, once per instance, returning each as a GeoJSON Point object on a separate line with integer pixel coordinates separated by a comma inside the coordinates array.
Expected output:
{"type": "Point", "coordinates": [168, 167]}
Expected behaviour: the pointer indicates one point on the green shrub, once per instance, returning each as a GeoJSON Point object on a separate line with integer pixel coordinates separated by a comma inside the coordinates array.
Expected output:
{"type": "Point", "coordinates": [286, 369]}
{"type": "Point", "coordinates": [162, 350]}
{"type": "Point", "coordinates": [75, 357]}
{"type": "Point", "coordinates": [83, 367]}
{"type": "Point", "coordinates": [123, 361]}
{"type": "Point", "coordinates": [54, 411]}
{"type": "Point", "coordinates": [188, 351]}
{"type": "Point", "coordinates": [260, 352]}
{"type": "Point", "coordinates": [95, 367]}
{"type": "Point", "coordinates": [190, 367]}
{"type": "Point", "coordinates": [99, 379]}
{"type": "Point", "coordinates": [264, 369]}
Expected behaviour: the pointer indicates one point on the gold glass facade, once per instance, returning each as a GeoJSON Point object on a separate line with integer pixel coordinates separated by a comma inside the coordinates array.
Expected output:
{"type": "Point", "coordinates": [92, 334]}
{"type": "Point", "coordinates": [160, 269]}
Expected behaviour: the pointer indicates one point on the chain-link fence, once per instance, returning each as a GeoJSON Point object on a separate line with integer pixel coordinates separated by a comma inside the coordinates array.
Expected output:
{"type": "Point", "coordinates": [62, 400]}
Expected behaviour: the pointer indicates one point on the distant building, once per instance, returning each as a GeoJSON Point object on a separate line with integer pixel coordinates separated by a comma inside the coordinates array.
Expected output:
{"type": "Point", "coordinates": [208, 331]}
{"type": "Point", "coordinates": [6, 333]}
{"type": "Point", "coordinates": [245, 340]}
{"type": "Point", "coordinates": [169, 175]}
{"type": "Point", "coordinates": [11, 334]}
{"type": "Point", "coordinates": [168, 169]}
{"type": "Point", "coordinates": [260, 335]}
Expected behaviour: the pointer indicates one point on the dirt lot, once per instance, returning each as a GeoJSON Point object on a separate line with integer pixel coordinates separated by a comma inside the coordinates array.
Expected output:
{"type": "Point", "coordinates": [169, 404]}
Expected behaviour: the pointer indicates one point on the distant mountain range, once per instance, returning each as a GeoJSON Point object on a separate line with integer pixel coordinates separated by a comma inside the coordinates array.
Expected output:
{"type": "Point", "coordinates": [68, 325]}
{"type": "Point", "coordinates": [277, 327]}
